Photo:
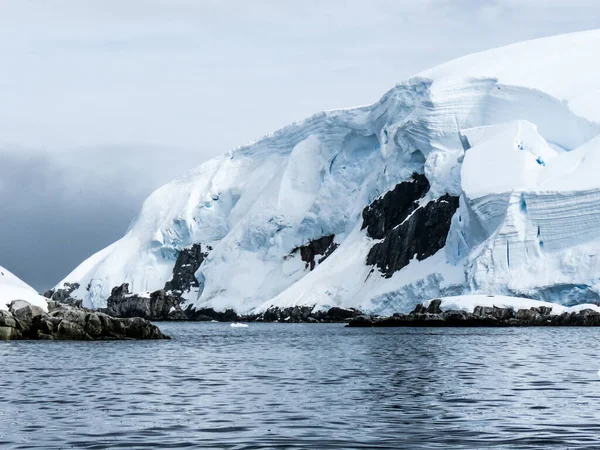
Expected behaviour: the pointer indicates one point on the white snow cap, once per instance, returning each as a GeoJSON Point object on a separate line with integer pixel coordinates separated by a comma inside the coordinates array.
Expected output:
{"type": "Point", "coordinates": [512, 132]}
{"type": "Point", "coordinates": [12, 288]}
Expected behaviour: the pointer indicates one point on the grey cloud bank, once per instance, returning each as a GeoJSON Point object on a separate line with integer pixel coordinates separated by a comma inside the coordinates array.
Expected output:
{"type": "Point", "coordinates": [103, 101]}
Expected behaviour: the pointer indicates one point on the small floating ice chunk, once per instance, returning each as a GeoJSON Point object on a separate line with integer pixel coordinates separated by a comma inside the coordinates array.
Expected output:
{"type": "Point", "coordinates": [238, 325]}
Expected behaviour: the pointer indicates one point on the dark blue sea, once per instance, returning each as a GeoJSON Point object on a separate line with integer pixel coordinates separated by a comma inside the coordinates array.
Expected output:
{"type": "Point", "coordinates": [305, 386]}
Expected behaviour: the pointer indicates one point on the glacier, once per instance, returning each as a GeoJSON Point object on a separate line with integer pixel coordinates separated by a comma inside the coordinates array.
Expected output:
{"type": "Point", "coordinates": [506, 140]}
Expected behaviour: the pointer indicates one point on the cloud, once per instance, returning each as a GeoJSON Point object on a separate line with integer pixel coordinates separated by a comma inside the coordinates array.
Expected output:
{"type": "Point", "coordinates": [104, 100]}
{"type": "Point", "coordinates": [58, 210]}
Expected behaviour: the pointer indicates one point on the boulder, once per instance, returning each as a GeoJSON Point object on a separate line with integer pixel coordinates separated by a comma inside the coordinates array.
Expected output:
{"type": "Point", "coordinates": [67, 330]}
{"type": "Point", "coordinates": [419, 309]}
{"type": "Point", "coordinates": [23, 310]}
{"type": "Point", "coordinates": [9, 326]}
{"type": "Point", "coordinates": [494, 312]}
{"type": "Point", "coordinates": [434, 306]}
{"type": "Point", "coordinates": [530, 316]}
{"type": "Point", "coordinates": [589, 317]}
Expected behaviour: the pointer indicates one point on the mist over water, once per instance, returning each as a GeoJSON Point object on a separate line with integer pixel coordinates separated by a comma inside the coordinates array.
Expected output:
{"type": "Point", "coordinates": [305, 386]}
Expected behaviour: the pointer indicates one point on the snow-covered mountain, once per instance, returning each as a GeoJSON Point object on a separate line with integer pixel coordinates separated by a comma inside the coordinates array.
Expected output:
{"type": "Point", "coordinates": [477, 176]}
{"type": "Point", "coordinates": [12, 288]}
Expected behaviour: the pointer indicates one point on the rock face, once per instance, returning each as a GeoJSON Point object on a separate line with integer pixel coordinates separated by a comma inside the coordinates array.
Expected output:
{"type": "Point", "coordinates": [163, 304]}
{"type": "Point", "coordinates": [63, 295]}
{"type": "Point", "coordinates": [389, 211]}
{"type": "Point", "coordinates": [188, 262]}
{"type": "Point", "coordinates": [482, 316]}
{"type": "Point", "coordinates": [323, 246]}
{"type": "Point", "coordinates": [25, 321]}
{"type": "Point", "coordinates": [157, 305]}
{"type": "Point", "coordinates": [421, 235]}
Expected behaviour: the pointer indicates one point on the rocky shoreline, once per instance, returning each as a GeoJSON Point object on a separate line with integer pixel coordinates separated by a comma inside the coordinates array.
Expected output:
{"type": "Point", "coordinates": [163, 305]}
{"type": "Point", "coordinates": [295, 314]}
{"type": "Point", "coordinates": [64, 322]}
{"type": "Point", "coordinates": [482, 316]}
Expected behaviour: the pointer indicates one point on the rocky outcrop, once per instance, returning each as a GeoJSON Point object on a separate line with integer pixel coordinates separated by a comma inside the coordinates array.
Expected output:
{"type": "Point", "coordinates": [420, 235]}
{"type": "Point", "coordinates": [292, 314]}
{"type": "Point", "coordinates": [389, 211]}
{"type": "Point", "coordinates": [296, 314]}
{"type": "Point", "coordinates": [187, 263]}
{"type": "Point", "coordinates": [25, 321]}
{"type": "Point", "coordinates": [157, 305]}
{"type": "Point", "coordinates": [482, 316]}
{"type": "Point", "coordinates": [323, 246]}
{"type": "Point", "coordinates": [208, 314]}
{"type": "Point", "coordinates": [63, 295]}
{"type": "Point", "coordinates": [163, 304]}
{"type": "Point", "coordinates": [406, 229]}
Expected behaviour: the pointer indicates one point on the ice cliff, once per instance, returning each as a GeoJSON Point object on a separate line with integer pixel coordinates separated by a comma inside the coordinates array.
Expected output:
{"type": "Point", "coordinates": [477, 176]}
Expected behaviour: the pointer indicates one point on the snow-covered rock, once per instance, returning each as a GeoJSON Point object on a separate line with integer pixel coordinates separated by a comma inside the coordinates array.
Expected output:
{"type": "Point", "coordinates": [470, 302]}
{"type": "Point", "coordinates": [507, 143]}
{"type": "Point", "coordinates": [12, 288]}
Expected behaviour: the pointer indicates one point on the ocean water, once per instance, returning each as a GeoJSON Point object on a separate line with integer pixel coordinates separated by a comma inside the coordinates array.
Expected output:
{"type": "Point", "coordinates": [305, 386]}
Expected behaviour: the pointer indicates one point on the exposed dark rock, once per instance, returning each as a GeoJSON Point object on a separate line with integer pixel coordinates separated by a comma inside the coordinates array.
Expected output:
{"type": "Point", "coordinates": [295, 314]}
{"type": "Point", "coordinates": [123, 304]}
{"type": "Point", "coordinates": [494, 312]}
{"type": "Point", "coordinates": [336, 314]}
{"type": "Point", "coordinates": [421, 235]}
{"type": "Point", "coordinates": [323, 246]}
{"type": "Point", "coordinates": [188, 262]}
{"type": "Point", "coordinates": [419, 309]}
{"type": "Point", "coordinates": [158, 305]}
{"type": "Point", "coordinates": [434, 306]}
{"type": "Point", "coordinates": [63, 295]}
{"type": "Point", "coordinates": [24, 311]}
{"type": "Point", "coordinates": [361, 321]}
{"type": "Point", "coordinates": [530, 315]}
{"type": "Point", "coordinates": [482, 316]}
{"type": "Point", "coordinates": [455, 318]}
{"type": "Point", "coordinates": [9, 327]}
{"type": "Point", "coordinates": [389, 211]}
{"type": "Point", "coordinates": [26, 321]}
{"type": "Point", "coordinates": [163, 304]}
{"type": "Point", "coordinates": [208, 314]}
{"type": "Point", "coordinates": [291, 314]}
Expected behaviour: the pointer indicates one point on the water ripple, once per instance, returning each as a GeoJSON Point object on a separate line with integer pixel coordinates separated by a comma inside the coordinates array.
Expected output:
{"type": "Point", "coordinates": [300, 386]}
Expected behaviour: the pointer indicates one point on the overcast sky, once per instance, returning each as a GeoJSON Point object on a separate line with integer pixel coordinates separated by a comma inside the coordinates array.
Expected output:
{"type": "Point", "coordinates": [101, 101]}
